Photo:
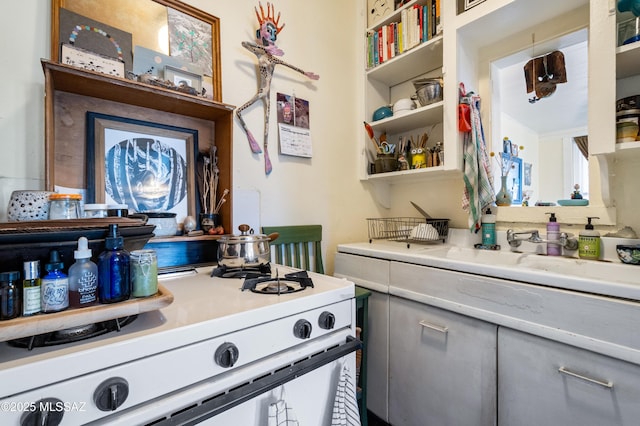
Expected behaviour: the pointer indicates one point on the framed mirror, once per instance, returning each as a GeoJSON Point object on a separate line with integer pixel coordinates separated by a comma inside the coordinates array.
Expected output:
{"type": "Point", "coordinates": [550, 125]}
{"type": "Point", "coordinates": [166, 32]}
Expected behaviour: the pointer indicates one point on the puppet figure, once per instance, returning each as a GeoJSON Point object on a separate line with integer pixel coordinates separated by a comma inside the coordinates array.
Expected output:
{"type": "Point", "coordinates": [266, 51]}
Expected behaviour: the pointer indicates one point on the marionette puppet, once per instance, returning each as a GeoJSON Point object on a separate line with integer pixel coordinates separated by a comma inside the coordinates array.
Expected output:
{"type": "Point", "coordinates": [266, 51]}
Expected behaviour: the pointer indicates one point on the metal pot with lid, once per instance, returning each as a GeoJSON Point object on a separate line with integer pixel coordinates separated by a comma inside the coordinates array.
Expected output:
{"type": "Point", "coordinates": [245, 250]}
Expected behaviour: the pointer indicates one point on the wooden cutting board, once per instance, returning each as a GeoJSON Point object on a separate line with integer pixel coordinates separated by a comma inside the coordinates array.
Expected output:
{"type": "Point", "coordinates": [46, 323]}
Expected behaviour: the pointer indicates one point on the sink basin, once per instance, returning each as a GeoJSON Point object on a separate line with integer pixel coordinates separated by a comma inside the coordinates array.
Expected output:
{"type": "Point", "coordinates": [466, 254]}
{"type": "Point", "coordinates": [600, 277]}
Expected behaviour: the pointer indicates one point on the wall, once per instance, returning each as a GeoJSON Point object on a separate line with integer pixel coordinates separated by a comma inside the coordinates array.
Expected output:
{"type": "Point", "coordinates": [322, 37]}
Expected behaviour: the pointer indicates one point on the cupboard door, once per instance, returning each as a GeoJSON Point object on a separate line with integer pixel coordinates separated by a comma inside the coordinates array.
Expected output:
{"type": "Point", "coordinates": [442, 367]}
{"type": "Point", "coordinates": [543, 382]}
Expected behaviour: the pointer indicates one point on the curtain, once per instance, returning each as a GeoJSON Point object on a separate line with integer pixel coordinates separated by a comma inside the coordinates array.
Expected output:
{"type": "Point", "coordinates": [583, 145]}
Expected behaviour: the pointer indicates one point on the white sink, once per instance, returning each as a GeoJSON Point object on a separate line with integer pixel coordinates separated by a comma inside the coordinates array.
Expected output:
{"type": "Point", "coordinates": [601, 277]}
{"type": "Point", "coordinates": [466, 254]}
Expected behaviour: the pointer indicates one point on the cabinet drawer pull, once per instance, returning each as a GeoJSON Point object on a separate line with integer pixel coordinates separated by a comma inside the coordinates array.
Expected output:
{"type": "Point", "coordinates": [608, 385]}
{"type": "Point", "coordinates": [434, 327]}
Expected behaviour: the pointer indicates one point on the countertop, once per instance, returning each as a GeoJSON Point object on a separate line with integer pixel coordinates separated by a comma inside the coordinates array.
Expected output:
{"type": "Point", "coordinates": [606, 277]}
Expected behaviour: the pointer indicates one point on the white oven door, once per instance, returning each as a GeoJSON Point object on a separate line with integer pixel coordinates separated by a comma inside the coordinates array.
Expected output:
{"type": "Point", "coordinates": [308, 399]}
{"type": "Point", "coordinates": [305, 380]}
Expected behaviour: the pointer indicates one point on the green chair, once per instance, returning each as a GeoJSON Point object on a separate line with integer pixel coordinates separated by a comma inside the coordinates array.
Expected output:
{"type": "Point", "coordinates": [297, 246]}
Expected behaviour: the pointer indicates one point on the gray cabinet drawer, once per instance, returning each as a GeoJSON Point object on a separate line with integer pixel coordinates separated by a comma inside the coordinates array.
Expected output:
{"type": "Point", "coordinates": [542, 382]}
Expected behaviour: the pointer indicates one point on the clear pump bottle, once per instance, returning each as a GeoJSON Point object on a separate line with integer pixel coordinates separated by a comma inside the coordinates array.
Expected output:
{"type": "Point", "coordinates": [83, 277]}
{"type": "Point", "coordinates": [114, 284]}
{"type": "Point", "coordinates": [553, 234]}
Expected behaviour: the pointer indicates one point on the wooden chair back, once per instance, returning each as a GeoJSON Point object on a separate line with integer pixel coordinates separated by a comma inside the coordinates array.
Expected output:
{"type": "Point", "coordinates": [298, 246]}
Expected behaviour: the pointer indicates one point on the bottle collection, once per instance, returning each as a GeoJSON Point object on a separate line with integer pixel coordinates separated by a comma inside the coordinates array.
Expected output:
{"type": "Point", "coordinates": [117, 276]}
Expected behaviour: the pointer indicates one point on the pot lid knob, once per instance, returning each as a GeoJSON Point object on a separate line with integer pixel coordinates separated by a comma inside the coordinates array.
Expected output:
{"type": "Point", "coordinates": [244, 229]}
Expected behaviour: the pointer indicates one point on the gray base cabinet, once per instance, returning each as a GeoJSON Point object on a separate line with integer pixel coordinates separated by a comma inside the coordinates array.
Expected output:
{"type": "Point", "coordinates": [542, 382]}
{"type": "Point", "coordinates": [467, 349]}
{"type": "Point", "coordinates": [442, 367]}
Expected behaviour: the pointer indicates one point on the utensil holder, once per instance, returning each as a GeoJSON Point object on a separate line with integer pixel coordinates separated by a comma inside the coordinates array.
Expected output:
{"type": "Point", "coordinates": [386, 163]}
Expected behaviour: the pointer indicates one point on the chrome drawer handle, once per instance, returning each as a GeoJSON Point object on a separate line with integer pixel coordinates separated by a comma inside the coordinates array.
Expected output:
{"type": "Point", "coordinates": [608, 385]}
{"type": "Point", "coordinates": [425, 324]}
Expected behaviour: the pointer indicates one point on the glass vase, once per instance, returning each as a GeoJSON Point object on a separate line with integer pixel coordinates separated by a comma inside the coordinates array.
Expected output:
{"type": "Point", "coordinates": [503, 197]}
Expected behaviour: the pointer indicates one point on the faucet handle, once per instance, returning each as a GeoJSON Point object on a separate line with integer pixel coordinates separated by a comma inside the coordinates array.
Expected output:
{"type": "Point", "coordinates": [567, 242]}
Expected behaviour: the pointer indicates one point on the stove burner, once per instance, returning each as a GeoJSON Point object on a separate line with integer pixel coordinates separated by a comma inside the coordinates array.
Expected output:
{"type": "Point", "coordinates": [73, 334]}
{"type": "Point", "coordinates": [291, 283]}
{"type": "Point", "coordinates": [223, 271]}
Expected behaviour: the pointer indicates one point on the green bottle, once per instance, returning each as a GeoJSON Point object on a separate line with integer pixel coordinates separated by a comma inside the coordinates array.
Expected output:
{"type": "Point", "coordinates": [589, 242]}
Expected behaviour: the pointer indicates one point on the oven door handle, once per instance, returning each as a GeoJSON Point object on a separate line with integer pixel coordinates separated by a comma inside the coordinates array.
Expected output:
{"type": "Point", "coordinates": [237, 396]}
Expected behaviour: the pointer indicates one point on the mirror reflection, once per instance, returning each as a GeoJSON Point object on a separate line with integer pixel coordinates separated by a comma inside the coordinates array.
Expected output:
{"type": "Point", "coordinates": [162, 33]}
{"type": "Point", "coordinates": [539, 103]}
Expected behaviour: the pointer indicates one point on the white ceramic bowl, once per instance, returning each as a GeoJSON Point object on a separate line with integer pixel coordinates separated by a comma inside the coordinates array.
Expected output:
{"type": "Point", "coordinates": [165, 223]}
{"type": "Point", "coordinates": [403, 106]}
{"type": "Point", "coordinates": [28, 205]}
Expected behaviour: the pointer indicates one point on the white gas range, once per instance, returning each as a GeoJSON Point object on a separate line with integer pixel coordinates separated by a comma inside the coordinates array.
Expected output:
{"type": "Point", "coordinates": [216, 355]}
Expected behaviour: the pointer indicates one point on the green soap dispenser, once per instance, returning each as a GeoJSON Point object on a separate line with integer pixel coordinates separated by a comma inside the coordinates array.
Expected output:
{"type": "Point", "coordinates": [589, 241]}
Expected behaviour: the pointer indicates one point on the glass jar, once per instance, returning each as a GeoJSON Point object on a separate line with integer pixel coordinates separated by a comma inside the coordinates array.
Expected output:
{"type": "Point", "coordinates": [144, 273]}
{"type": "Point", "coordinates": [10, 295]}
{"type": "Point", "coordinates": [117, 210]}
{"type": "Point", "coordinates": [95, 210]}
{"type": "Point", "coordinates": [64, 206]}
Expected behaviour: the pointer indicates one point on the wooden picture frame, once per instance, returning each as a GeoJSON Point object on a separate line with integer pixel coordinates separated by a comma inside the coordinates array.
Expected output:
{"type": "Point", "coordinates": [144, 20]}
{"type": "Point", "coordinates": [148, 166]}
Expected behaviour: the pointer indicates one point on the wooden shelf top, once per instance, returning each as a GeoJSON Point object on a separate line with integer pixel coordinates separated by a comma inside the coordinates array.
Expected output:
{"type": "Point", "coordinates": [70, 79]}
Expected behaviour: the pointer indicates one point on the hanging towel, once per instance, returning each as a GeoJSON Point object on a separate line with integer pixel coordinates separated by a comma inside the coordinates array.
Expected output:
{"type": "Point", "coordinates": [281, 414]}
{"type": "Point", "coordinates": [345, 406]}
{"type": "Point", "coordinates": [478, 180]}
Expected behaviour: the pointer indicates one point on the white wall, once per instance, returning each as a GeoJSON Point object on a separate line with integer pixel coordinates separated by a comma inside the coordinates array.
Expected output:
{"type": "Point", "coordinates": [322, 37]}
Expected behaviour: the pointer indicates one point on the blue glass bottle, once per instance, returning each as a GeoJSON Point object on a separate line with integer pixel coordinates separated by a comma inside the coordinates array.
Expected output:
{"type": "Point", "coordinates": [114, 282]}
{"type": "Point", "coordinates": [55, 285]}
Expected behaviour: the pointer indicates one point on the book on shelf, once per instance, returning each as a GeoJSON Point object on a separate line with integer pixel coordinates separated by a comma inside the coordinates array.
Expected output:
{"type": "Point", "coordinates": [417, 24]}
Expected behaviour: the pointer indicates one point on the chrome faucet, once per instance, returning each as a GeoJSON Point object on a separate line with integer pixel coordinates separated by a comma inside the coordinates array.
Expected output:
{"type": "Point", "coordinates": [534, 237]}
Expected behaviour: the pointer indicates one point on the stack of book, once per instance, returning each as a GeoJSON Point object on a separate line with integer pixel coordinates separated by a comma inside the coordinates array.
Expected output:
{"type": "Point", "coordinates": [418, 24]}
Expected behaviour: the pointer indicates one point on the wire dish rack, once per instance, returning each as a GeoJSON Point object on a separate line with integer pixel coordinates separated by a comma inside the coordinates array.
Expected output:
{"type": "Point", "coordinates": [408, 229]}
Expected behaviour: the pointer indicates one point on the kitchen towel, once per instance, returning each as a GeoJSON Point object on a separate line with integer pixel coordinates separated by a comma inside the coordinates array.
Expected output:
{"type": "Point", "coordinates": [478, 180]}
{"type": "Point", "coordinates": [280, 414]}
{"type": "Point", "coordinates": [345, 406]}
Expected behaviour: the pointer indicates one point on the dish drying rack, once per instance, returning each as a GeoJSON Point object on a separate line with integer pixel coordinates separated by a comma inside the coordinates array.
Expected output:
{"type": "Point", "coordinates": [408, 229]}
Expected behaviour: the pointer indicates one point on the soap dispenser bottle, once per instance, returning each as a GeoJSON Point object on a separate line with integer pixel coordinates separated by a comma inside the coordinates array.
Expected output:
{"type": "Point", "coordinates": [114, 284]}
{"type": "Point", "coordinates": [488, 228]}
{"type": "Point", "coordinates": [553, 236]}
{"type": "Point", "coordinates": [589, 242]}
{"type": "Point", "coordinates": [83, 277]}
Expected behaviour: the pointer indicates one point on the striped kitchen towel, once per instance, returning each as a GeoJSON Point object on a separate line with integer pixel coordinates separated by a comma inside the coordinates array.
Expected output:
{"type": "Point", "coordinates": [345, 406]}
{"type": "Point", "coordinates": [478, 180]}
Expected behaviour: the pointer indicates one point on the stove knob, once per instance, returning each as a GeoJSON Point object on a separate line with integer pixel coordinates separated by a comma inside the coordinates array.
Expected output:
{"type": "Point", "coordinates": [302, 329]}
{"type": "Point", "coordinates": [111, 394]}
{"type": "Point", "coordinates": [226, 355]}
{"type": "Point", "coordinates": [327, 320]}
{"type": "Point", "coordinates": [45, 412]}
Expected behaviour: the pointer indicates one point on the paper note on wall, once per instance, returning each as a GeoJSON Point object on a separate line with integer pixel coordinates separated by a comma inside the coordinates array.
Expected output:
{"type": "Point", "coordinates": [295, 141]}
